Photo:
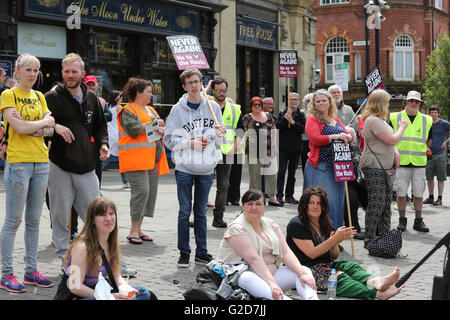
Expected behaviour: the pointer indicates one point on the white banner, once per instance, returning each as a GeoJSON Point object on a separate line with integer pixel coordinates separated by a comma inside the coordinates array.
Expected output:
{"type": "Point", "coordinates": [41, 41]}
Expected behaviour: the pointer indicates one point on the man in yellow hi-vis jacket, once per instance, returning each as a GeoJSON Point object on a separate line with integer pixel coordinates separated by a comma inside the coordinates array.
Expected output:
{"type": "Point", "coordinates": [413, 158]}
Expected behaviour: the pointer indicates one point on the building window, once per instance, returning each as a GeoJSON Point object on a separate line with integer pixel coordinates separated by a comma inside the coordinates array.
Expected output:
{"type": "Point", "coordinates": [403, 58]}
{"type": "Point", "coordinates": [325, 2]}
{"type": "Point", "coordinates": [358, 67]}
{"type": "Point", "coordinates": [336, 52]}
{"type": "Point", "coordinates": [438, 4]}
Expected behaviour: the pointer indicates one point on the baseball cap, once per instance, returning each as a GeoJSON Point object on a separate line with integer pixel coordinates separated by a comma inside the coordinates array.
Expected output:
{"type": "Point", "coordinates": [413, 95]}
{"type": "Point", "coordinates": [90, 79]}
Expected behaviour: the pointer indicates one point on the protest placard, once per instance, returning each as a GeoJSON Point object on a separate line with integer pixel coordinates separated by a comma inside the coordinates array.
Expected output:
{"type": "Point", "coordinates": [342, 160]}
{"type": "Point", "coordinates": [187, 52]}
{"type": "Point", "coordinates": [288, 67]}
{"type": "Point", "coordinates": [373, 80]}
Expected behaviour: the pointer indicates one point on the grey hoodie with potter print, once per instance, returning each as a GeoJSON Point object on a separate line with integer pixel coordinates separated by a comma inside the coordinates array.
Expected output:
{"type": "Point", "coordinates": [184, 124]}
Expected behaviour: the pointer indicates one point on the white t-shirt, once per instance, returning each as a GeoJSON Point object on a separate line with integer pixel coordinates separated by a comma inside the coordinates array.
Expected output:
{"type": "Point", "coordinates": [113, 133]}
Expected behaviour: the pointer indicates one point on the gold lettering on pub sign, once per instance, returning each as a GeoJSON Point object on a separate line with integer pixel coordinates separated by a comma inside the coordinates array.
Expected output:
{"type": "Point", "coordinates": [154, 19]}
{"type": "Point", "coordinates": [128, 13]}
{"type": "Point", "coordinates": [28, 39]}
{"type": "Point", "coordinates": [102, 47]}
{"type": "Point", "coordinates": [128, 16]}
{"type": "Point", "coordinates": [258, 33]}
{"type": "Point", "coordinates": [104, 12]}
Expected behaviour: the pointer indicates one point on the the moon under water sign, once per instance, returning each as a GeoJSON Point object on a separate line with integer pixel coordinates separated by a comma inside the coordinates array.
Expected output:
{"type": "Point", "coordinates": [187, 52]}
{"type": "Point", "coordinates": [342, 160]}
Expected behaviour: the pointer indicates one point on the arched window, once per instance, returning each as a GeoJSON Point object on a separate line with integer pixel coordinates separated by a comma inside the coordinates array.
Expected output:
{"type": "Point", "coordinates": [403, 58]}
{"type": "Point", "coordinates": [336, 52]}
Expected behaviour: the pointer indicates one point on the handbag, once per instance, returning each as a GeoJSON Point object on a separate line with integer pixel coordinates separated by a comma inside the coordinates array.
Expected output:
{"type": "Point", "coordinates": [321, 272]}
{"type": "Point", "coordinates": [387, 245]}
{"type": "Point", "coordinates": [360, 181]}
{"type": "Point", "coordinates": [3, 140]}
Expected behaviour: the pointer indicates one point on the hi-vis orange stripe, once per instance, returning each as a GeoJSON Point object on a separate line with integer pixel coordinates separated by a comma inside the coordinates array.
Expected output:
{"type": "Point", "coordinates": [136, 153]}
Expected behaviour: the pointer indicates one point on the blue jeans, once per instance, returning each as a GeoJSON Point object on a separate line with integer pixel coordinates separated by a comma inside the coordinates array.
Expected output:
{"type": "Point", "coordinates": [323, 176]}
{"type": "Point", "coordinates": [202, 184]}
{"type": "Point", "coordinates": [26, 184]}
{"type": "Point", "coordinates": [143, 294]}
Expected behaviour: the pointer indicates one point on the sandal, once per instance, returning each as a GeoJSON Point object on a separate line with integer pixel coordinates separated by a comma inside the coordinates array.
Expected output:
{"type": "Point", "coordinates": [132, 240]}
{"type": "Point", "coordinates": [144, 237]}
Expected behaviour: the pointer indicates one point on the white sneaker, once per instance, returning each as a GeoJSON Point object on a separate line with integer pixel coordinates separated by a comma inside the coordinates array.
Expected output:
{"type": "Point", "coordinates": [125, 271]}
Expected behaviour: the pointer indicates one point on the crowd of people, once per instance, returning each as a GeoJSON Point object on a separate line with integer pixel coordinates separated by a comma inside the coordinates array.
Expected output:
{"type": "Point", "coordinates": [61, 141]}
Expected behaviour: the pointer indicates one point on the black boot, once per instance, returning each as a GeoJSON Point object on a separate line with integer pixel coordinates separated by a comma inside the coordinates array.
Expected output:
{"type": "Point", "coordinates": [419, 225]}
{"type": "Point", "coordinates": [402, 224]}
{"type": "Point", "coordinates": [219, 223]}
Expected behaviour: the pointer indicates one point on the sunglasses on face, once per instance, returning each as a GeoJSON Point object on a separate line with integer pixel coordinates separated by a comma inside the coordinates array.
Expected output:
{"type": "Point", "coordinates": [221, 90]}
{"type": "Point", "coordinates": [256, 105]}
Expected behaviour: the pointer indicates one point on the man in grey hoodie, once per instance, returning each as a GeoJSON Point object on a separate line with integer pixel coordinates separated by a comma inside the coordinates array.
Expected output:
{"type": "Point", "coordinates": [194, 138]}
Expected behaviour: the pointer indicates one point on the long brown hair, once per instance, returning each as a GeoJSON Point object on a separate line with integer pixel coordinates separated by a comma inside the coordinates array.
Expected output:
{"type": "Point", "coordinates": [88, 235]}
{"type": "Point", "coordinates": [324, 221]}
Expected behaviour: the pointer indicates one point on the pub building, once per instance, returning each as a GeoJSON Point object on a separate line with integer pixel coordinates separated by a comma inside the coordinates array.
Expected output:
{"type": "Point", "coordinates": [256, 51]}
{"type": "Point", "coordinates": [117, 39]}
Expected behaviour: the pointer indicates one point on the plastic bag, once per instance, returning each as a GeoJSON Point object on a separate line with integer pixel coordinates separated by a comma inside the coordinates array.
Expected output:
{"type": "Point", "coordinates": [103, 289]}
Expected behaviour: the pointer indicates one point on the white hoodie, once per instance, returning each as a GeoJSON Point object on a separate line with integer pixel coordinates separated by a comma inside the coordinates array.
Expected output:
{"type": "Point", "coordinates": [184, 124]}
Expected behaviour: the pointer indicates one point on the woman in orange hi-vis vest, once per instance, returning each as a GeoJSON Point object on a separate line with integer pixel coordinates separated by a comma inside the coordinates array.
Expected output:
{"type": "Point", "coordinates": [141, 160]}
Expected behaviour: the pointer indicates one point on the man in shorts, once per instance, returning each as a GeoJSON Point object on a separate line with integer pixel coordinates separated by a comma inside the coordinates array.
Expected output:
{"type": "Point", "coordinates": [437, 162]}
{"type": "Point", "coordinates": [413, 158]}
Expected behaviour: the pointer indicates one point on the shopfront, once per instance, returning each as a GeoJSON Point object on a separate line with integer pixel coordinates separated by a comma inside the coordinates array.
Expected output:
{"type": "Point", "coordinates": [257, 47]}
{"type": "Point", "coordinates": [116, 38]}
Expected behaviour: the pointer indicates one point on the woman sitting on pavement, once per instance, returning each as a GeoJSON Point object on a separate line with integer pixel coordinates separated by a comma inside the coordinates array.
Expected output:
{"type": "Point", "coordinates": [260, 242]}
{"type": "Point", "coordinates": [311, 237]}
{"type": "Point", "coordinates": [83, 260]}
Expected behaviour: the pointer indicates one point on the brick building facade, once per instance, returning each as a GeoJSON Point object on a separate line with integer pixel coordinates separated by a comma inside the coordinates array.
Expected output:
{"type": "Point", "coordinates": [406, 38]}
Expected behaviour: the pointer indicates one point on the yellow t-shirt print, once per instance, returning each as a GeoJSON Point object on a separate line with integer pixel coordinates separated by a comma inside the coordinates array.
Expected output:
{"type": "Point", "coordinates": [31, 107]}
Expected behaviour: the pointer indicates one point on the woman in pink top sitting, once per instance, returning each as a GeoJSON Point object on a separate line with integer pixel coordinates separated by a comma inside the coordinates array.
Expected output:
{"type": "Point", "coordinates": [259, 242]}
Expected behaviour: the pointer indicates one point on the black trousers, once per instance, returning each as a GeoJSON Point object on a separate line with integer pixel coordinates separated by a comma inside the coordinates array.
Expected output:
{"type": "Point", "coordinates": [353, 198]}
{"type": "Point", "coordinates": [304, 153]}
{"type": "Point", "coordinates": [289, 161]}
{"type": "Point", "coordinates": [234, 194]}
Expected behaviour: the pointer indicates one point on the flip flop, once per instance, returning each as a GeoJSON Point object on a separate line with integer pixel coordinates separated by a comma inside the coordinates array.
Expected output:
{"type": "Point", "coordinates": [146, 238]}
{"type": "Point", "coordinates": [132, 240]}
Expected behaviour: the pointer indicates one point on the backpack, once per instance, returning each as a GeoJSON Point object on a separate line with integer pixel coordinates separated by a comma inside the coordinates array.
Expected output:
{"type": "Point", "coordinates": [3, 140]}
{"type": "Point", "coordinates": [387, 245]}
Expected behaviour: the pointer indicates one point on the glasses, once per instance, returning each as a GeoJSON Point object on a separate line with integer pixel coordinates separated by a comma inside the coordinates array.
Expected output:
{"type": "Point", "coordinates": [221, 90]}
{"type": "Point", "coordinates": [192, 83]}
{"type": "Point", "coordinates": [256, 104]}
{"type": "Point", "coordinates": [307, 101]}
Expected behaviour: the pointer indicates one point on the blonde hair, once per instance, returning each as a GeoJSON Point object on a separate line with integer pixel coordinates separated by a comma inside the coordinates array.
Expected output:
{"type": "Point", "coordinates": [73, 57]}
{"type": "Point", "coordinates": [26, 59]}
{"type": "Point", "coordinates": [377, 105]}
{"type": "Point", "coordinates": [332, 110]}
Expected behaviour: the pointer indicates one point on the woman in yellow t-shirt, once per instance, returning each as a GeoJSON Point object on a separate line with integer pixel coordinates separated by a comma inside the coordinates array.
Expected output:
{"type": "Point", "coordinates": [27, 120]}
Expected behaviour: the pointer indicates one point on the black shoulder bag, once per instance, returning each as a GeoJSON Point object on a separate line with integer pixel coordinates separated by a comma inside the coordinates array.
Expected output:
{"type": "Point", "coordinates": [111, 279]}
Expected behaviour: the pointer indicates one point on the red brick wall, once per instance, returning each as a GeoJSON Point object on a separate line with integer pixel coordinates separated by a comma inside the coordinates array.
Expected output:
{"type": "Point", "coordinates": [409, 17]}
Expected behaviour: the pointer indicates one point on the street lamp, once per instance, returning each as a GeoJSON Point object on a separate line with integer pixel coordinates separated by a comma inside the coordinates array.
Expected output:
{"type": "Point", "coordinates": [374, 8]}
